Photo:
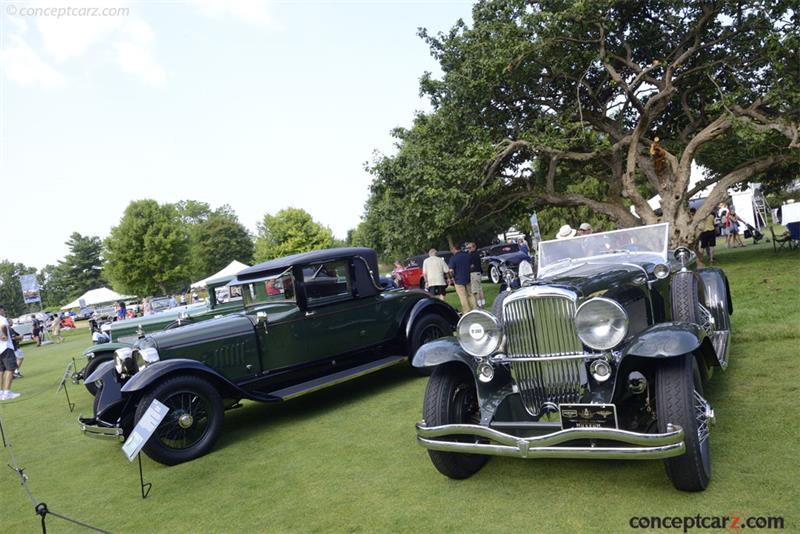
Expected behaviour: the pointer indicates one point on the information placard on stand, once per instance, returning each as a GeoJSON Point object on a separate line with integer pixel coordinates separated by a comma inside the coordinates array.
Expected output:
{"type": "Point", "coordinates": [142, 432]}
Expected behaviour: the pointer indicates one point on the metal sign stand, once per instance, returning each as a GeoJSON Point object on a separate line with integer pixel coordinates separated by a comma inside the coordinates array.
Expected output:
{"type": "Point", "coordinates": [138, 437]}
{"type": "Point", "coordinates": [63, 384]}
{"type": "Point", "coordinates": [145, 486]}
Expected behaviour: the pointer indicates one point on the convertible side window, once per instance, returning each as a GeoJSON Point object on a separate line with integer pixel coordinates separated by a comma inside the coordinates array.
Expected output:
{"type": "Point", "coordinates": [327, 282]}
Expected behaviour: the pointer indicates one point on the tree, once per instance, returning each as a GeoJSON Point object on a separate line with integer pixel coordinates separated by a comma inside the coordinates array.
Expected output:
{"type": "Point", "coordinates": [82, 267]}
{"type": "Point", "coordinates": [148, 252]}
{"type": "Point", "coordinates": [625, 93]}
{"type": "Point", "coordinates": [10, 288]}
{"type": "Point", "coordinates": [290, 231]}
{"type": "Point", "coordinates": [55, 286]}
{"type": "Point", "coordinates": [218, 240]}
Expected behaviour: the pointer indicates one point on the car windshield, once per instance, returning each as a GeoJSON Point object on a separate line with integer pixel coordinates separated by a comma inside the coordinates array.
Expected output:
{"type": "Point", "coordinates": [643, 240]}
{"type": "Point", "coordinates": [276, 287]}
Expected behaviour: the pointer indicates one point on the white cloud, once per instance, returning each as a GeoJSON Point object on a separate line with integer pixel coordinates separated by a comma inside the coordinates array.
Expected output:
{"type": "Point", "coordinates": [125, 41]}
{"type": "Point", "coordinates": [22, 64]}
{"type": "Point", "coordinates": [253, 12]}
{"type": "Point", "coordinates": [135, 53]}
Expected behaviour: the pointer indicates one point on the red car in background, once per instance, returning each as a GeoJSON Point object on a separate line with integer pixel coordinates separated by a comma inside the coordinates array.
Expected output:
{"type": "Point", "coordinates": [410, 277]}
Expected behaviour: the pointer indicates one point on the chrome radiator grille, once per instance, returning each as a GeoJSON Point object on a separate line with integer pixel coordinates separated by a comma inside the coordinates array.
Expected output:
{"type": "Point", "coordinates": [543, 326]}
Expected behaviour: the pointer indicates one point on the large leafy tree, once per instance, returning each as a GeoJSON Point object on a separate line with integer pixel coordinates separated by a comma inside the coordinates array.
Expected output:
{"type": "Point", "coordinates": [82, 267]}
{"type": "Point", "coordinates": [10, 288]}
{"type": "Point", "coordinates": [217, 241]}
{"type": "Point", "coordinates": [290, 231]}
{"type": "Point", "coordinates": [148, 251]}
{"type": "Point", "coordinates": [627, 94]}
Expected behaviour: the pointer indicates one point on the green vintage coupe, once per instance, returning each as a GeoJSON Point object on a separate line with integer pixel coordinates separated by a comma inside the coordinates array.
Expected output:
{"type": "Point", "coordinates": [310, 321]}
{"type": "Point", "coordinates": [122, 334]}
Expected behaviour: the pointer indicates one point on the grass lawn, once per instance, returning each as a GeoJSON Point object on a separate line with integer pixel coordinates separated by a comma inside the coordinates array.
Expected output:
{"type": "Point", "coordinates": [345, 459]}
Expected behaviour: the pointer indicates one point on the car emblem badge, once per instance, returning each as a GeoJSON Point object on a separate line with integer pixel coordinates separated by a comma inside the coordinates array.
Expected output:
{"type": "Point", "coordinates": [604, 413]}
{"type": "Point", "coordinates": [586, 414]}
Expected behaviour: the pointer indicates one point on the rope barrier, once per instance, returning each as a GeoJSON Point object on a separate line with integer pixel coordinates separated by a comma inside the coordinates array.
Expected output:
{"type": "Point", "coordinates": [40, 508]}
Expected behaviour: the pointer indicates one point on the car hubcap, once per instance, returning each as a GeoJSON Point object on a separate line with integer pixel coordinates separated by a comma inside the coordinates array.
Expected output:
{"type": "Point", "coordinates": [429, 334]}
{"type": "Point", "coordinates": [186, 422]}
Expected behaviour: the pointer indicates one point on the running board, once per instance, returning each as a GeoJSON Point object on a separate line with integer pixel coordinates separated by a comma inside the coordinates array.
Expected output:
{"type": "Point", "coordinates": [336, 378]}
{"type": "Point", "coordinates": [720, 341]}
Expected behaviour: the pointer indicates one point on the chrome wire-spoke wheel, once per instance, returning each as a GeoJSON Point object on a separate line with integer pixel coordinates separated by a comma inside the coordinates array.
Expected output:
{"type": "Point", "coordinates": [186, 422]}
{"type": "Point", "coordinates": [430, 333]}
{"type": "Point", "coordinates": [704, 415]}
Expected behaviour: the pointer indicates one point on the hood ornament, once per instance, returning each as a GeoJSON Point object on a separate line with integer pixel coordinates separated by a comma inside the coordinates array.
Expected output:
{"type": "Point", "coordinates": [140, 332]}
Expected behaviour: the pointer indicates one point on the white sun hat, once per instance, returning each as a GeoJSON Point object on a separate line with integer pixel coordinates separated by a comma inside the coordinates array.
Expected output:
{"type": "Point", "coordinates": [565, 232]}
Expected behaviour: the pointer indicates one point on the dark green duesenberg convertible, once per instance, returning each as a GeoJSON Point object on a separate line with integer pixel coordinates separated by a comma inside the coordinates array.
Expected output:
{"type": "Point", "coordinates": [310, 321]}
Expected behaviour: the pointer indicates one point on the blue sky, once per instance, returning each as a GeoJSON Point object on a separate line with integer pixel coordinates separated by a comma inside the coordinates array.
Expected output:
{"type": "Point", "coordinates": [260, 105]}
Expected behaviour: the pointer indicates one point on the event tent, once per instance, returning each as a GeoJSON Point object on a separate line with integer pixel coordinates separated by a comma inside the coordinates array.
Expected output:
{"type": "Point", "coordinates": [228, 272]}
{"type": "Point", "coordinates": [93, 297]}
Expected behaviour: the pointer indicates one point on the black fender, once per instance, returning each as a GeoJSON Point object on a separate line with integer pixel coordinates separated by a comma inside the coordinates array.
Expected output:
{"type": "Point", "coordinates": [105, 347]}
{"type": "Point", "coordinates": [717, 296]}
{"type": "Point", "coordinates": [154, 372]}
{"type": "Point", "coordinates": [670, 340]}
{"type": "Point", "coordinates": [428, 305]}
{"type": "Point", "coordinates": [447, 351]}
{"type": "Point", "coordinates": [444, 350]}
{"type": "Point", "coordinates": [109, 396]}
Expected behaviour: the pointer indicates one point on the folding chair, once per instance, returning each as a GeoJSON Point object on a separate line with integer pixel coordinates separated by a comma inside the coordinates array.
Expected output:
{"type": "Point", "coordinates": [780, 241]}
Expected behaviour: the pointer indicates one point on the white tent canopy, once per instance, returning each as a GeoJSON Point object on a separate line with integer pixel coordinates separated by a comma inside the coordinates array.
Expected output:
{"type": "Point", "coordinates": [232, 268]}
{"type": "Point", "coordinates": [96, 296]}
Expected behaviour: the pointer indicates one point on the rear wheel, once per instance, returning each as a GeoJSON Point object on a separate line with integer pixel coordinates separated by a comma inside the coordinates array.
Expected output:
{"type": "Point", "coordinates": [193, 423]}
{"type": "Point", "coordinates": [427, 328]}
{"type": "Point", "coordinates": [679, 400]}
{"type": "Point", "coordinates": [451, 398]}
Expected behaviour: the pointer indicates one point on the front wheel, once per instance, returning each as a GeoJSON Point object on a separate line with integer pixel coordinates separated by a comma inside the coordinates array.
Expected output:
{"type": "Point", "coordinates": [679, 400]}
{"type": "Point", "coordinates": [451, 398]}
{"type": "Point", "coordinates": [191, 426]}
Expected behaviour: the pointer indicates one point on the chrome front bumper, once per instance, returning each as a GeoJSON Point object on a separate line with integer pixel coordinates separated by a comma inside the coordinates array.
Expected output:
{"type": "Point", "coordinates": [633, 445]}
{"type": "Point", "coordinates": [98, 429]}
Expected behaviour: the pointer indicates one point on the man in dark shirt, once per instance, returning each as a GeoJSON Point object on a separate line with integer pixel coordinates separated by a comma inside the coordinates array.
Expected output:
{"type": "Point", "coordinates": [475, 273]}
{"type": "Point", "coordinates": [459, 269]}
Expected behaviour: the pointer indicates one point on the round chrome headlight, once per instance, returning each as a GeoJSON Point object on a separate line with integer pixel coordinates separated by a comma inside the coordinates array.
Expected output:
{"type": "Point", "coordinates": [479, 333]}
{"type": "Point", "coordinates": [661, 271]}
{"type": "Point", "coordinates": [123, 361]}
{"type": "Point", "coordinates": [601, 323]}
{"type": "Point", "coordinates": [145, 357]}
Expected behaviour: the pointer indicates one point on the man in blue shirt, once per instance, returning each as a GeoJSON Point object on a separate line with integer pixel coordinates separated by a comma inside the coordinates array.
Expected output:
{"type": "Point", "coordinates": [459, 270]}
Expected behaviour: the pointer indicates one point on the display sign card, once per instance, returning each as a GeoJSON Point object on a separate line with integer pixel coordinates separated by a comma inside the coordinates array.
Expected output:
{"type": "Point", "coordinates": [144, 429]}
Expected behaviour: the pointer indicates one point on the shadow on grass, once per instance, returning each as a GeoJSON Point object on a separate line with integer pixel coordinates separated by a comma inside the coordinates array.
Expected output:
{"type": "Point", "coordinates": [255, 418]}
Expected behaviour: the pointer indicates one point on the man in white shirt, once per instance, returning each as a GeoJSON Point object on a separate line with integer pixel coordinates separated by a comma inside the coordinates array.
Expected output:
{"type": "Point", "coordinates": [8, 359]}
{"type": "Point", "coordinates": [434, 270]}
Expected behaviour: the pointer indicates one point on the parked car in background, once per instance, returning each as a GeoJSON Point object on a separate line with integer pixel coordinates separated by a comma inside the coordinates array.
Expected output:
{"type": "Point", "coordinates": [159, 304]}
{"type": "Point", "coordinates": [84, 314]}
{"type": "Point", "coordinates": [122, 334]}
{"type": "Point", "coordinates": [606, 355]}
{"type": "Point", "coordinates": [495, 267]}
{"type": "Point", "coordinates": [310, 321]}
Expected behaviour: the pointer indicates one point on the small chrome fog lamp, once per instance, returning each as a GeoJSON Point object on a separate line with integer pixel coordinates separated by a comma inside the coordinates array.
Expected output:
{"type": "Point", "coordinates": [661, 271]}
{"type": "Point", "coordinates": [600, 370]}
{"type": "Point", "coordinates": [485, 372]}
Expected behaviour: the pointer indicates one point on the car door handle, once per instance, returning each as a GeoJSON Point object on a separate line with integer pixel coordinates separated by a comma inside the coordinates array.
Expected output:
{"type": "Point", "coordinates": [310, 313]}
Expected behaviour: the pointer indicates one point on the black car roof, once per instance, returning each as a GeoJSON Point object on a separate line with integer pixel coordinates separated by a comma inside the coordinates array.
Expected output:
{"type": "Point", "coordinates": [314, 256]}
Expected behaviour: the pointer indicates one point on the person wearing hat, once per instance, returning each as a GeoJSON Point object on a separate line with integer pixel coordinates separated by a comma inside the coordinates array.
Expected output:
{"type": "Point", "coordinates": [584, 229]}
{"type": "Point", "coordinates": [566, 232]}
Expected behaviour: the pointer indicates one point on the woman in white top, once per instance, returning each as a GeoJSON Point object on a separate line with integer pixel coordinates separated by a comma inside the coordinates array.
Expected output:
{"type": "Point", "coordinates": [434, 270]}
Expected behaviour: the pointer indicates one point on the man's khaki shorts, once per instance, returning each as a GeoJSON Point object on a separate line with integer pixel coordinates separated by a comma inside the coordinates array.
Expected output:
{"type": "Point", "coordinates": [475, 283]}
